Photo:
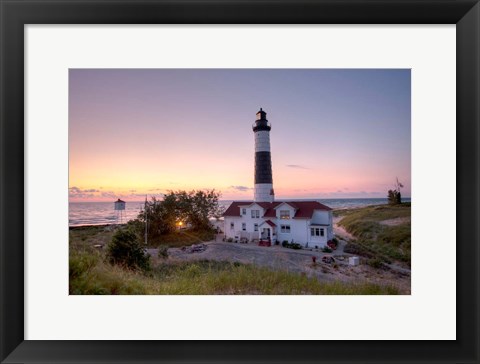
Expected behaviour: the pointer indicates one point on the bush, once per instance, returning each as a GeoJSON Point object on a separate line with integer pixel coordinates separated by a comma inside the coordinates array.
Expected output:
{"type": "Point", "coordinates": [375, 263]}
{"type": "Point", "coordinates": [125, 250]}
{"type": "Point", "coordinates": [355, 249]}
{"type": "Point", "coordinates": [163, 252]}
{"type": "Point", "coordinates": [81, 263]}
{"type": "Point", "coordinates": [291, 245]}
{"type": "Point", "coordinates": [230, 240]}
{"type": "Point", "coordinates": [326, 249]}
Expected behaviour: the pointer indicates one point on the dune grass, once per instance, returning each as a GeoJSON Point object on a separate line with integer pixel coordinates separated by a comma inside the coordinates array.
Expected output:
{"type": "Point", "coordinates": [90, 274]}
{"type": "Point", "coordinates": [385, 241]}
{"type": "Point", "coordinates": [182, 238]}
{"type": "Point", "coordinates": [102, 234]}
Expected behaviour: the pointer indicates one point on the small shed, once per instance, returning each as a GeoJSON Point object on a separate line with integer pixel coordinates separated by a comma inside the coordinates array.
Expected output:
{"type": "Point", "coordinates": [119, 205]}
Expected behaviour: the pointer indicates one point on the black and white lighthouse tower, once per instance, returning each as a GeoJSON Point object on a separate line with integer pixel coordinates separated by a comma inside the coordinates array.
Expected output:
{"type": "Point", "coordinates": [263, 161]}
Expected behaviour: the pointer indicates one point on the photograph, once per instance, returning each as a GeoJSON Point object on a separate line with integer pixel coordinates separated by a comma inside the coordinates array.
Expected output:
{"type": "Point", "coordinates": [239, 181]}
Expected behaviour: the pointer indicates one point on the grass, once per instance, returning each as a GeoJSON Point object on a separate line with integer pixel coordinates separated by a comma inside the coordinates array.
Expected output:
{"type": "Point", "coordinates": [182, 238]}
{"type": "Point", "coordinates": [101, 235]}
{"type": "Point", "coordinates": [390, 242]}
{"type": "Point", "coordinates": [90, 274]}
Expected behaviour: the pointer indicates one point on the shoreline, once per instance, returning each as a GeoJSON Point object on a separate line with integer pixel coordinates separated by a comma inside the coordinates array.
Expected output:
{"type": "Point", "coordinates": [71, 227]}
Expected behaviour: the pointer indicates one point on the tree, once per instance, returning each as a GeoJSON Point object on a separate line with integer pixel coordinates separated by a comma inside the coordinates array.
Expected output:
{"type": "Point", "coordinates": [395, 196]}
{"type": "Point", "coordinates": [391, 197]}
{"type": "Point", "coordinates": [126, 250]}
{"type": "Point", "coordinates": [193, 209]}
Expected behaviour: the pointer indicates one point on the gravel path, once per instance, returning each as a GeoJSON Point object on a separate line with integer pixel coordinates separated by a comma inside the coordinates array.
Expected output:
{"type": "Point", "coordinates": [299, 261]}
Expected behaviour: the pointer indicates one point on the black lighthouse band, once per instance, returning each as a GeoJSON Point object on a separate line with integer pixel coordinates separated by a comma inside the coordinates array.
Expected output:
{"type": "Point", "coordinates": [263, 167]}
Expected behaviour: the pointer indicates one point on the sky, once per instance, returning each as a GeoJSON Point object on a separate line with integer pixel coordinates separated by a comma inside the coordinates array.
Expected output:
{"type": "Point", "coordinates": [335, 133]}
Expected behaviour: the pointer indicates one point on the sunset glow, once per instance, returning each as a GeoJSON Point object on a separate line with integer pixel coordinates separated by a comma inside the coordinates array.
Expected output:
{"type": "Point", "coordinates": [335, 133]}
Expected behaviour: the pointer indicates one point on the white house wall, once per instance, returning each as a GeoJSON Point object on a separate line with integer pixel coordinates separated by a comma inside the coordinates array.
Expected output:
{"type": "Point", "coordinates": [284, 207]}
{"type": "Point", "coordinates": [324, 218]}
{"type": "Point", "coordinates": [299, 228]}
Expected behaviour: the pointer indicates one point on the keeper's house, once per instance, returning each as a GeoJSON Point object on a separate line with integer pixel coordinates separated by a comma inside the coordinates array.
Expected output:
{"type": "Point", "coordinates": [308, 223]}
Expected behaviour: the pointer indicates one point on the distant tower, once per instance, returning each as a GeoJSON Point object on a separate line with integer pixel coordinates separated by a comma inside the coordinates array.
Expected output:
{"type": "Point", "coordinates": [263, 161]}
{"type": "Point", "coordinates": [120, 210]}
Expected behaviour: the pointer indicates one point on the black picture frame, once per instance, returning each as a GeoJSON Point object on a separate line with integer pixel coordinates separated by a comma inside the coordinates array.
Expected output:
{"type": "Point", "coordinates": [15, 14]}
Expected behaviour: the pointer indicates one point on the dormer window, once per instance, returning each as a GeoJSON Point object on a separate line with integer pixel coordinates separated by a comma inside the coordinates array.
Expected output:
{"type": "Point", "coordinates": [284, 214]}
{"type": "Point", "coordinates": [255, 214]}
{"type": "Point", "coordinates": [244, 211]}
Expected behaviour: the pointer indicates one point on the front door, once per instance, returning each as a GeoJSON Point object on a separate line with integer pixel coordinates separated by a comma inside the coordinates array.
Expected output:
{"type": "Point", "coordinates": [266, 233]}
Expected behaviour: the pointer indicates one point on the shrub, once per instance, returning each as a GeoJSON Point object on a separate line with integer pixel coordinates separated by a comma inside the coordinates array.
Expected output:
{"type": "Point", "coordinates": [375, 263]}
{"type": "Point", "coordinates": [163, 252]}
{"type": "Point", "coordinates": [125, 250]}
{"type": "Point", "coordinates": [356, 249]}
{"type": "Point", "coordinates": [291, 245]}
{"type": "Point", "coordinates": [326, 249]}
{"type": "Point", "coordinates": [81, 263]}
{"type": "Point", "coordinates": [230, 240]}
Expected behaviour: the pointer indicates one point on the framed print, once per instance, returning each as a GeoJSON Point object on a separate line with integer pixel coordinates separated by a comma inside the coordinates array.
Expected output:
{"type": "Point", "coordinates": [239, 181]}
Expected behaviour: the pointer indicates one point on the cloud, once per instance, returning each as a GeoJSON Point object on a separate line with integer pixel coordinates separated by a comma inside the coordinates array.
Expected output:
{"type": "Point", "coordinates": [108, 194]}
{"type": "Point", "coordinates": [241, 188]}
{"type": "Point", "coordinates": [298, 166]}
{"type": "Point", "coordinates": [79, 193]}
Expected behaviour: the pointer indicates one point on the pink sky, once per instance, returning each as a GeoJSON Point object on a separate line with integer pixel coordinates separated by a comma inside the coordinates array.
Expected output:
{"type": "Point", "coordinates": [335, 133]}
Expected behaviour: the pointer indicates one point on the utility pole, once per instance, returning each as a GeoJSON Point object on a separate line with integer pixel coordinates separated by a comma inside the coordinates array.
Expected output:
{"type": "Point", "coordinates": [146, 221]}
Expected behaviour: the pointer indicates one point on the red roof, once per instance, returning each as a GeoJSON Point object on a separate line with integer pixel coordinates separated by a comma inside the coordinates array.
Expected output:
{"type": "Point", "coordinates": [234, 208]}
{"type": "Point", "coordinates": [272, 224]}
{"type": "Point", "coordinates": [304, 209]}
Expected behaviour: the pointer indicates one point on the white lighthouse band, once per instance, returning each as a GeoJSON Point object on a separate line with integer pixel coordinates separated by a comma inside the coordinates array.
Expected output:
{"type": "Point", "coordinates": [263, 161]}
{"type": "Point", "coordinates": [262, 141]}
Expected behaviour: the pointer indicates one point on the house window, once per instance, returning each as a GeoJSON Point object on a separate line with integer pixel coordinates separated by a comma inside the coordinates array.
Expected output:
{"type": "Point", "coordinates": [232, 226]}
{"type": "Point", "coordinates": [244, 211]}
{"type": "Point", "coordinates": [285, 214]}
{"type": "Point", "coordinates": [317, 232]}
{"type": "Point", "coordinates": [255, 227]}
{"type": "Point", "coordinates": [255, 214]}
{"type": "Point", "coordinates": [285, 229]}
{"type": "Point", "coordinates": [244, 226]}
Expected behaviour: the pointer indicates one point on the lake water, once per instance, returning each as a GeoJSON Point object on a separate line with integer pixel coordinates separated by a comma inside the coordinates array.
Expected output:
{"type": "Point", "coordinates": [99, 213]}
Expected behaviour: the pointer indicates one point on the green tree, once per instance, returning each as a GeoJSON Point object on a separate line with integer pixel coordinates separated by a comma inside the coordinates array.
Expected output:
{"type": "Point", "coordinates": [391, 197]}
{"type": "Point", "coordinates": [194, 208]}
{"type": "Point", "coordinates": [125, 249]}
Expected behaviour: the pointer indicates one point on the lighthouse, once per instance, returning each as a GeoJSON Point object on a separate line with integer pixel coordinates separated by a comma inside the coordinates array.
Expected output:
{"type": "Point", "coordinates": [263, 161]}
